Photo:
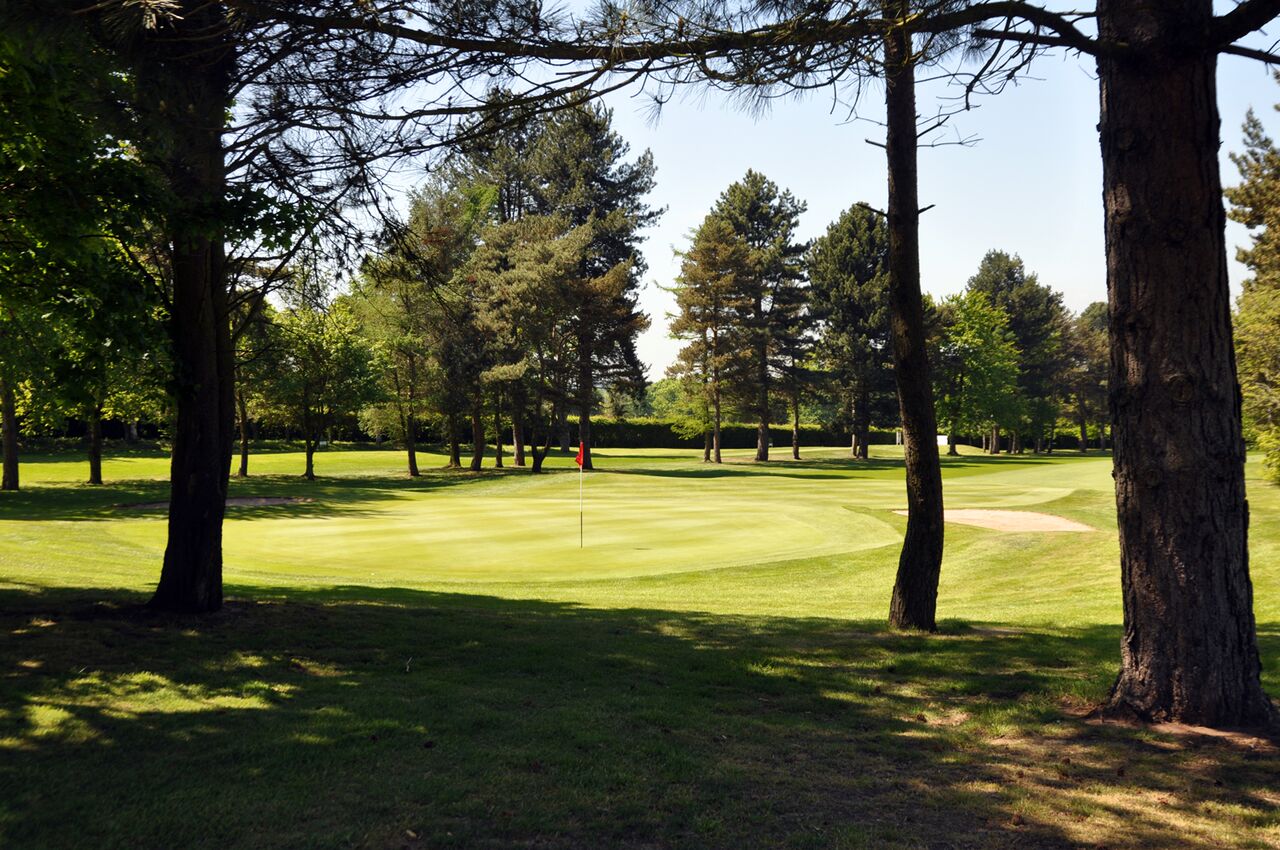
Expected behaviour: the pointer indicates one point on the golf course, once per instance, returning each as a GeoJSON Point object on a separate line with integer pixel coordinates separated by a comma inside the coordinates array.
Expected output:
{"type": "Point", "coordinates": [437, 662]}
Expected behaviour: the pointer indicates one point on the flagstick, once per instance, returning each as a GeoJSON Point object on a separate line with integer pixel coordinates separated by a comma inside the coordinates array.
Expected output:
{"type": "Point", "coordinates": [581, 468]}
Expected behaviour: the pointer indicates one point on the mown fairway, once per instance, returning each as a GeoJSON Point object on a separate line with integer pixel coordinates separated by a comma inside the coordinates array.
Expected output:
{"type": "Point", "coordinates": [436, 663]}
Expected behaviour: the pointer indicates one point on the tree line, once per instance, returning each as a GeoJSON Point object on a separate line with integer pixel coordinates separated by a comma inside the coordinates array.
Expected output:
{"type": "Point", "coordinates": [771, 324]}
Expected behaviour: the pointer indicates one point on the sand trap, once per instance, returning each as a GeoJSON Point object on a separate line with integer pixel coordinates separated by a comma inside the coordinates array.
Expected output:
{"type": "Point", "coordinates": [1012, 520]}
{"type": "Point", "coordinates": [234, 502]}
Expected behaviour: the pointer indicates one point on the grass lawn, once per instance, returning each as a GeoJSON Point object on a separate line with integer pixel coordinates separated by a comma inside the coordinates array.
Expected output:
{"type": "Point", "coordinates": [435, 663]}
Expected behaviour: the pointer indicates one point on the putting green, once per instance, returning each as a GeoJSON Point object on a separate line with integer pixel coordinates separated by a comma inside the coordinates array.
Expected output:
{"type": "Point", "coordinates": [662, 530]}
{"type": "Point", "coordinates": [646, 513]}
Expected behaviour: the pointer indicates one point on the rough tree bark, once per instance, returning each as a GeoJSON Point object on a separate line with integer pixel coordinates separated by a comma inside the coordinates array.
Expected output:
{"type": "Point", "coordinates": [95, 446]}
{"type": "Point", "coordinates": [706, 447]}
{"type": "Point", "coordinates": [477, 435]}
{"type": "Point", "coordinates": [191, 98]}
{"type": "Point", "coordinates": [9, 423]}
{"type": "Point", "coordinates": [762, 385]}
{"type": "Point", "coordinates": [411, 441]}
{"type": "Point", "coordinates": [1189, 651]}
{"type": "Point", "coordinates": [497, 430]}
{"type": "Point", "coordinates": [795, 426]}
{"type": "Point", "coordinates": [242, 417]}
{"type": "Point", "coordinates": [915, 590]}
{"type": "Point", "coordinates": [716, 415]}
{"type": "Point", "coordinates": [310, 472]}
{"type": "Point", "coordinates": [862, 424]}
{"type": "Point", "coordinates": [517, 437]}
{"type": "Point", "coordinates": [586, 393]}
{"type": "Point", "coordinates": [562, 429]}
{"type": "Point", "coordinates": [455, 448]}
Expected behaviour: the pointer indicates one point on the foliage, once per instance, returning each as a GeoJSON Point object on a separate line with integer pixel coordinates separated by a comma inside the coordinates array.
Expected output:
{"type": "Point", "coordinates": [325, 370]}
{"type": "Point", "coordinates": [978, 366]}
{"type": "Point", "coordinates": [768, 301]}
{"type": "Point", "coordinates": [1256, 204]}
{"type": "Point", "coordinates": [1039, 324]}
{"type": "Point", "coordinates": [849, 281]}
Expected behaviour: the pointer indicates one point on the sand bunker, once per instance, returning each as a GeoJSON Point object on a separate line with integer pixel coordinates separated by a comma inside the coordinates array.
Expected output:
{"type": "Point", "coordinates": [1012, 520]}
{"type": "Point", "coordinates": [234, 502]}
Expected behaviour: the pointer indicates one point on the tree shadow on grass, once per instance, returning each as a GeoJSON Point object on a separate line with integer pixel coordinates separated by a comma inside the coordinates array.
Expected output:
{"type": "Point", "coordinates": [386, 717]}
{"type": "Point", "coordinates": [325, 496]}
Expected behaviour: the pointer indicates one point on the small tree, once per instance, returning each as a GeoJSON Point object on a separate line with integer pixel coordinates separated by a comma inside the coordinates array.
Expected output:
{"type": "Point", "coordinates": [325, 370]}
{"type": "Point", "coordinates": [978, 367]}
{"type": "Point", "coordinates": [706, 291]}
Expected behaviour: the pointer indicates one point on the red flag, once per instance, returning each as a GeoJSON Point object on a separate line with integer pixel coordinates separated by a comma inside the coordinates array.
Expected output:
{"type": "Point", "coordinates": [581, 449]}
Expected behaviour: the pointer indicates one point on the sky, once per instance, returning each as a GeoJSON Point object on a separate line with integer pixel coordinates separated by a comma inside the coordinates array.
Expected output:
{"type": "Point", "coordinates": [1031, 185]}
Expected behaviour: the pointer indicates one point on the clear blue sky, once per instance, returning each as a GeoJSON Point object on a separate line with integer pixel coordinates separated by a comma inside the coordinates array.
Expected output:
{"type": "Point", "coordinates": [1031, 186]}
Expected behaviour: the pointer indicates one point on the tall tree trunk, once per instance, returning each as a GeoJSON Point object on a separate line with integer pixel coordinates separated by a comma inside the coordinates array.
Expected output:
{"type": "Point", "coordinates": [795, 426]}
{"type": "Point", "coordinates": [853, 426]}
{"type": "Point", "coordinates": [562, 427]}
{"type": "Point", "coordinates": [1084, 429]}
{"type": "Point", "coordinates": [497, 430]}
{"type": "Point", "coordinates": [863, 420]}
{"type": "Point", "coordinates": [477, 435]}
{"type": "Point", "coordinates": [706, 446]}
{"type": "Point", "coordinates": [411, 442]}
{"type": "Point", "coordinates": [455, 449]}
{"type": "Point", "coordinates": [1189, 651]}
{"type": "Point", "coordinates": [242, 413]}
{"type": "Point", "coordinates": [586, 394]}
{"type": "Point", "coordinates": [540, 456]}
{"type": "Point", "coordinates": [762, 393]}
{"type": "Point", "coordinates": [95, 446]}
{"type": "Point", "coordinates": [915, 591]}
{"type": "Point", "coordinates": [131, 432]}
{"type": "Point", "coordinates": [9, 423]}
{"type": "Point", "coordinates": [715, 422]}
{"type": "Point", "coordinates": [517, 436]}
{"type": "Point", "coordinates": [995, 439]}
{"type": "Point", "coordinates": [196, 89]}
{"type": "Point", "coordinates": [951, 444]}
{"type": "Point", "coordinates": [310, 472]}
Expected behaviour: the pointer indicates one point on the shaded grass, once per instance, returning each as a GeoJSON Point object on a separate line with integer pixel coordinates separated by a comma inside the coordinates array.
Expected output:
{"type": "Point", "coordinates": [402, 718]}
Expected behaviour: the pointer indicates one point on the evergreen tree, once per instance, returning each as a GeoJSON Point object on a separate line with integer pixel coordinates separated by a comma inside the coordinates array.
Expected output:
{"type": "Point", "coordinates": [1039, 325]}
{"type": "Point", "coordinates": [849, 280]}
{"type": "Point", "coordinates": [526, 276]}
{"type": "Point", "coordinates": [769, 296]}
{"type": "Point", "coordinates": [1255, 203]}
{"type": "Point", "coordinates": [707, 293]}
{"type": "Point", "coordinates": [584, 176]}
{"type": "Point", "coordinates": [1087, 377]}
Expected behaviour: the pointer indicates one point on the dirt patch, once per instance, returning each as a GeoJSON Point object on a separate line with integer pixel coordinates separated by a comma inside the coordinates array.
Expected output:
{"type": "Point", "coordinates": [234, 502]}
{"type": "Point", "coordinates": [1012, 520]}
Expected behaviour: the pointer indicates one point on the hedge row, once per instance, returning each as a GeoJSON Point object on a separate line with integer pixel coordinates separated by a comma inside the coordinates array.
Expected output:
{"type": "Point", "coordinates": [659, 434]}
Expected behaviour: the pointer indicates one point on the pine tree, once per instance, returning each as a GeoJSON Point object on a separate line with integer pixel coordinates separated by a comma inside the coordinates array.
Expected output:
{"type": "Point", "coordinates": [583, 175]}
{"type": "Point", "coordinates": [849, 279]}
{"type": "Point", "coordinates": [1038, 322]}
{"type": "Point", "coordinates": [769, 296]}
{"type": "Point", "coordinates": [1255, 203]}
{"type": "Point", "coordinates": [710, 276]}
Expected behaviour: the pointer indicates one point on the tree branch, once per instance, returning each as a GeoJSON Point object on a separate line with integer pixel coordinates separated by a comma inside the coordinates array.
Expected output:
{"type": "Point", "coordinates": [1251, 53]}
{"type": "Point", "coordinates": [1245, 18]}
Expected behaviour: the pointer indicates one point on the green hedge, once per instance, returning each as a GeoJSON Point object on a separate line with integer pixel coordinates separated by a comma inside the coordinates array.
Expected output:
{"type": "Point", "coordinates": [660, 434]}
